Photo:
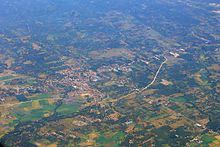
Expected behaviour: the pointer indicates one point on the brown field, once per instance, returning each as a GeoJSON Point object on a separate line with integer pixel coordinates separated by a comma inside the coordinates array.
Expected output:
{"type": "Point", "coordinates": [216, 12]}
{"type": "Point", "coordinates": [204, 121]}
{"type": "Point", "coordinates": [52, 145]}
{"type": "Point", "coordinates": [165, 82]}
{"type": "Point", "coordinates": [172, 60]}
{"type": "Point", "coordinates": [42, 75]}
{"type": "Point", "coordinates": [48, 114]}
{"type": "Point", "coordinates": [9, 62]}
{"type": "Point", "coordinates": [148, 92]}
{"type": "Point", "coordinates": [215, 143]}
{"type": "Point", "coordinates": [35, 46]}
{"type": "Point", "coordinates": [24, 39]}
{"type": "Point", "coordinates": [130, 128]}
{"type": "Point", "coordinates": [8, 39]}
{"type": "Point", "coordinates": [160, 122]}
{"type": "Point", "coordinates": [131, 103]}
{"type": "Point", "coordinates": [92, 135]}
{"type": "Point", "coordinates": [27, 62]}
{"type": "Point", "coordinates": [108, 53]}
{"type": "Point", "coordinates": [112, 92]}
{"type": "Point", "coordinates": [214, 67]}
{"type": "Point", "coordinates": [109, 83]}
{"type": "Point", "coordinates": [179, 123]}
{"type": "Point", "coordinates": [113, 75]}
{"type": "Point", "coordinates": [32, 108]}
{"type": "Point", "coordinates": [217, 137]}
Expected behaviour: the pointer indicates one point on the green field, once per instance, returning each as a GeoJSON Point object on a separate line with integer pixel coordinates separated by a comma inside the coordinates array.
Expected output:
{"type": "Point", "coordinates": [33, 113]}
{"type": "Point", "coordinates": [41, 96]}
{"type": "Point", "coordinates": [178, 99]}
{"type": "Point", "coordinates": [68, 109]}
{"type": "Point", "coordinates": [206, 140]}
{"type": "Point", "coordinates": [106, 138]}
{"type": "Point", "coordinates": [38, 106]}
{"type": "Point", "coordinates": [25, 104]}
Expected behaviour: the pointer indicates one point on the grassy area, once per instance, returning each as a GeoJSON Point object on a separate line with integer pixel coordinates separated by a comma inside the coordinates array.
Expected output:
{"type": "Point", "coordinates": [25, 104]}
{"type": "Point", "coordinates": [33, 110]}
{"type": "Point", "coordinates": [178, 99]}
{"type": "Point", "coordinates": [6, 77]}
{"type": "Point", "coordinates": [39, 107]}
{"type": "Point", "coordinates": [206, 140]}
{"type": "Point", "coordinates": [13, 123]}
{"type": "Point", "coordinates": [193, 144]}
{"type": "Point", "coordinates": [67, 108]}
{"type": "Point", "coordinates": [107, 138]}
{"type": "Point", "coordinates": [34, 115]}
{"type": "Point", "coordinates": [41, 96]}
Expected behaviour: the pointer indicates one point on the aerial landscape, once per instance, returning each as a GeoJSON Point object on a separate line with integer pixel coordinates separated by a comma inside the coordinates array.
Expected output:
{"type": "Point", "coordinates": [110, 73]}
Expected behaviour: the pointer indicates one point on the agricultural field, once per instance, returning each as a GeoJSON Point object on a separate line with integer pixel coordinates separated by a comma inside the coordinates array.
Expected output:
{"type": "Point", "coordinates": [101, 73]}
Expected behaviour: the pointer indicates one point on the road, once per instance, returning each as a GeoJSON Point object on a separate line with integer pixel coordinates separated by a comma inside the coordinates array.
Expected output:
{"type": "Point", "coordinates": [138, 90]}
{"type": "Point", "coordinates": [161, 65]}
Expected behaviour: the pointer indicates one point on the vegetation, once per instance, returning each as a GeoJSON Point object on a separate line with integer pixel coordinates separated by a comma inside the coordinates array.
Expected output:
{"type": "Point", "coordinates": [101, 73]}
